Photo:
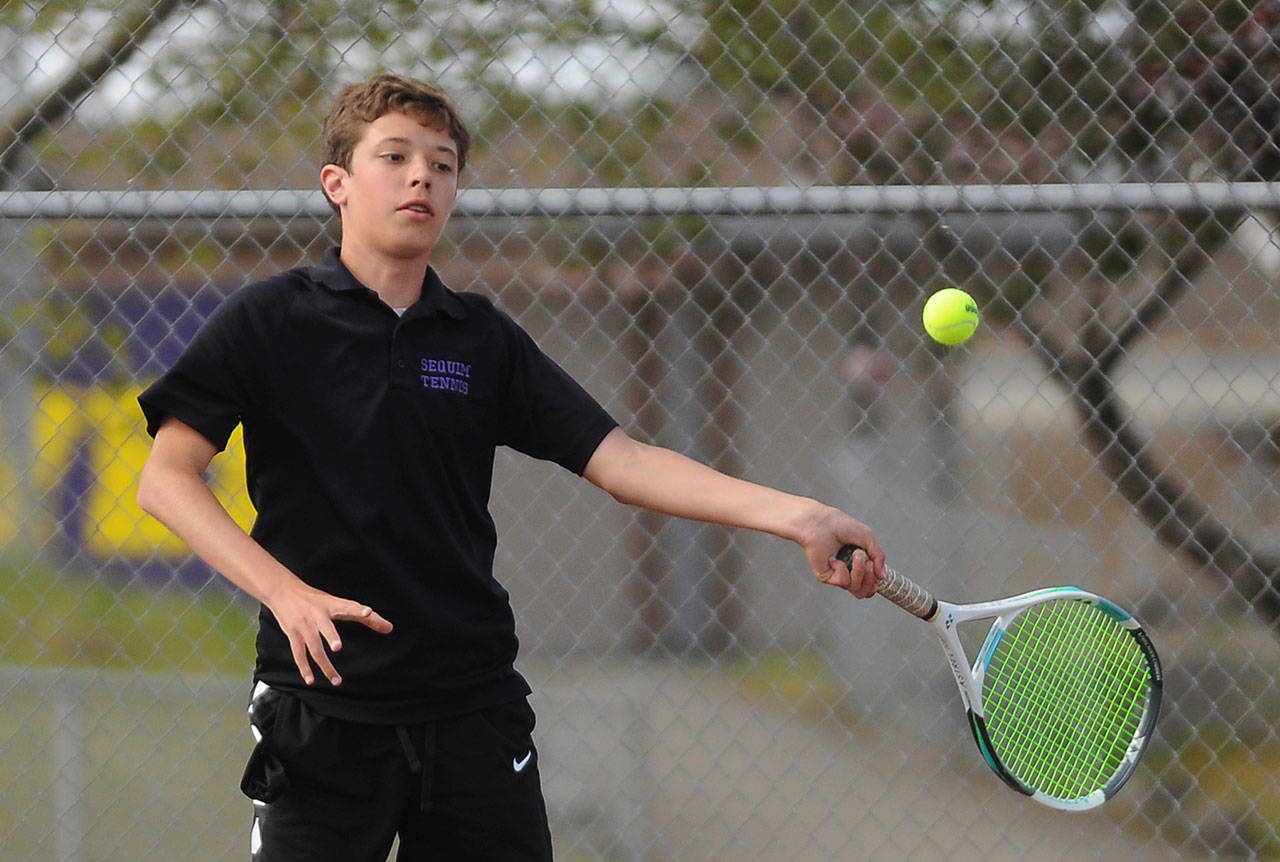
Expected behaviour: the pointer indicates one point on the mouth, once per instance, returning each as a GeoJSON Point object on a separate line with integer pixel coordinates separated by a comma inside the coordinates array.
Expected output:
{"type": "Point", "coordinates": [419, 207]}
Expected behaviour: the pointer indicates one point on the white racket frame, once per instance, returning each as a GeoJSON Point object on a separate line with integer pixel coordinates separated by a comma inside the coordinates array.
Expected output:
{"type": "Point", "coordinates": [944, 618]}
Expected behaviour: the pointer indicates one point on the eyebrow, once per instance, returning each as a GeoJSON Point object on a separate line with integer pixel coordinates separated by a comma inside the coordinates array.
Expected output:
{"type": "Point", "coordinates": [442, 148]}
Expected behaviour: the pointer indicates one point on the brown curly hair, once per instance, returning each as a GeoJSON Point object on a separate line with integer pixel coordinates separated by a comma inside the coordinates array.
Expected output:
{"type": "Point", "coordinates": [358, 105]}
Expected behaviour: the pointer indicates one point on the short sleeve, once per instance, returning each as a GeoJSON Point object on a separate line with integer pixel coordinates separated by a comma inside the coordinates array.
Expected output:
{"type": "Point", "coordinates": [549, 415]}
{"type": "Point", "coordinates": [216, 379]}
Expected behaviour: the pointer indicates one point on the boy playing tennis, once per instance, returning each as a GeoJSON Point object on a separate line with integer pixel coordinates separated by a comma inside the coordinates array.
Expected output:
{"type": "Point", "coordinates": [373, 398]}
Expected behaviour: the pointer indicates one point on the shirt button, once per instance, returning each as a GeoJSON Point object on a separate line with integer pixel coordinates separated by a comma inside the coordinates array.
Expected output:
{"type": "Point", "coordinates": [400, 363]}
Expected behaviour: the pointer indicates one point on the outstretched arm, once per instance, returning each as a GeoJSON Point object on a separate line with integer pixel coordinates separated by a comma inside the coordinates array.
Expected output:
{"type": "Point", "coordinates": [655, 478]}
{"type": "Point", "coordinates": [172, 488]}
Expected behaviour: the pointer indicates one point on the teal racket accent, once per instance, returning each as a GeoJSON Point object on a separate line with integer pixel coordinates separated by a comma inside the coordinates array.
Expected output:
{"type": "Point", "coordinates": [1067, 697]}
{"type": "Point", "coordinates": [1063, 697]}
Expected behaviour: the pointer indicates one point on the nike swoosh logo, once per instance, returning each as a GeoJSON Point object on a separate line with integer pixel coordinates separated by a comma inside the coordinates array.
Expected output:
{"type": "Point", "coordinates": [519, 765]}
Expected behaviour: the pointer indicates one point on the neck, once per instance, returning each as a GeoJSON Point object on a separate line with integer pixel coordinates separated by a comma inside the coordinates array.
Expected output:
{"type": "Point", "coordinates": [397, 282]}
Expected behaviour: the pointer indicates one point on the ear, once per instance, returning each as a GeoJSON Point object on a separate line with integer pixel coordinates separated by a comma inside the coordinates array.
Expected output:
{"type": "Point", "coordinates": [333, 179]}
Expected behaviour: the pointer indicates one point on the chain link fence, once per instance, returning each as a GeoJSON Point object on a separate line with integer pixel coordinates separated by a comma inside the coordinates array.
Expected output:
{"type": "Point", "coordinates": [723, 218]}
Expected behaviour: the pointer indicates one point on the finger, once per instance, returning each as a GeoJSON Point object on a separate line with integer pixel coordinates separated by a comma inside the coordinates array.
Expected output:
{"type": "Point", "coordinates": [875, 557]}
{"type": "Point", "coordinates": [329, 633]}
{"type": "Point", "coordinates": [315, 646]}
{"type": "Point", "coordinates": [869, 559]}
{"type": "Point", "coordinates": [872, 577]}
{"type": "Point", "coordinates": [862, 574]}
{"type": "Point", "coordinates": [299, 651]}
{"type": "Point", "coordinates": [865, 587]}
{"type": "Point", "coordinates": [855, 563]}
{"type": "Point", "coordinates": [364, 615]}
{"type": "Point", "coordinates": [835, 575]}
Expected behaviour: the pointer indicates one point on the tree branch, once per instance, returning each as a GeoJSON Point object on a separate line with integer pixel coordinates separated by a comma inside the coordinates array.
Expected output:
{"type": "Point", "coordinates": [1205, 241]}
{"type": "Point", "coordinates": [110, 50]}
{"type": "Point", "coordinates": [1177, 516]}
{"type": "Point", "coordinates": [1181, 521]}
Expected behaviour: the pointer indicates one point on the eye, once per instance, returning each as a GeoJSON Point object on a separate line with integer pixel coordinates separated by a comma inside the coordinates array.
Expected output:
{"type": "Point", "coordinates": [394, 158]}
{"type": "Point", "coordinates": [444, 167]}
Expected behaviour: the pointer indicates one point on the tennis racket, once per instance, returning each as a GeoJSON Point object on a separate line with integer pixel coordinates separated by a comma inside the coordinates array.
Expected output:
{"type": "Point", "coordinates": [1064, 694]}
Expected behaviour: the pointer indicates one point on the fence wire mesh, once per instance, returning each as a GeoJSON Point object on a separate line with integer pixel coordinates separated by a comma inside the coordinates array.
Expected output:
{"type": "Point", "coordinates": [1114, 424]}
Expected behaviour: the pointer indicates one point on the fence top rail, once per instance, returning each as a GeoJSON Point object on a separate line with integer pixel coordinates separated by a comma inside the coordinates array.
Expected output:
{"type": "Point", "coordinates": [135, 205]}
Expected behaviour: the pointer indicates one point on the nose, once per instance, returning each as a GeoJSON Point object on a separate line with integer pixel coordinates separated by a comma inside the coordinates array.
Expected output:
{"type": "Point", "coordinates": [421, 175]}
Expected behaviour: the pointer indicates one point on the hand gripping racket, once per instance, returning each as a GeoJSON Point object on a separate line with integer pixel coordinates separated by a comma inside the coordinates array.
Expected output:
{"type": "Point", "coordinates": [1064, 694]}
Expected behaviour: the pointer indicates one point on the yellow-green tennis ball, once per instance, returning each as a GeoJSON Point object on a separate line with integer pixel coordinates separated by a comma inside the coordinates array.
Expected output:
{"type": "Point", "coordinates": [950, 316]}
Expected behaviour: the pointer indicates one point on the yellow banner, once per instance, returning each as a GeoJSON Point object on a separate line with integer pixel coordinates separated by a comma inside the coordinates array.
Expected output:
{"type": "Point", "coordinates": [89, 447]}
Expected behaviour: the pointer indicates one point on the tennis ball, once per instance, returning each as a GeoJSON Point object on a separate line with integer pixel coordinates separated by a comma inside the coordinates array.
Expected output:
{"type": "Point", "coordinates": [950, 316]}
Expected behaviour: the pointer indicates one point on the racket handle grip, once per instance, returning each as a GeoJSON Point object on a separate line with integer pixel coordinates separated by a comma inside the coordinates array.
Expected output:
{"type": "Point", "coordinates": [899, 589]}
{"type": "Point", "coordinates": [907, 594]}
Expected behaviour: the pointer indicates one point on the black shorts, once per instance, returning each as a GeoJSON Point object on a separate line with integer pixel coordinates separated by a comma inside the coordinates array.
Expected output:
{"type": "Point", "coordinates": [465, 787]}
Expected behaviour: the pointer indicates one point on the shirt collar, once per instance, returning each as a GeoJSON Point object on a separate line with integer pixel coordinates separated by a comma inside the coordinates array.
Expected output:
{"type": "Point", "coordinates": [332, 273]}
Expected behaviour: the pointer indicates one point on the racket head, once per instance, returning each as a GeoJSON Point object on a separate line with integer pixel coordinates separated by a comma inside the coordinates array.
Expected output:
{"type": "Point", "coordinates": [1069, 688]}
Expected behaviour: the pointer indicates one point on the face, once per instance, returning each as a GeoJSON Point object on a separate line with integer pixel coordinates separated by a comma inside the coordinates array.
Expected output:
{"type": "Point", "coordinates": [398, 194]}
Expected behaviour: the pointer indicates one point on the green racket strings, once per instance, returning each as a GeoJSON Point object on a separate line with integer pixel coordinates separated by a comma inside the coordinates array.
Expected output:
{"type": "Point", "coordinates": [1064, 694]}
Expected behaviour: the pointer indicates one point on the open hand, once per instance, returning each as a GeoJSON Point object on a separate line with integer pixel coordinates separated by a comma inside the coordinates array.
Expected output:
{"type": "Point", "coordinates": [307, 615]}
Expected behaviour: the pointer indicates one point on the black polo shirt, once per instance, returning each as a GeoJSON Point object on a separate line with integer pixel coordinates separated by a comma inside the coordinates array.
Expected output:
{"type": "Point", "coordinates": [370, 442]}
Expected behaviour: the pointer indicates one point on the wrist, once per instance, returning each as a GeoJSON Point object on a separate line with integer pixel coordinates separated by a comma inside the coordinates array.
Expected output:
{"type": "Point", "coordinates": [274, 584]}
{"type": "Point", "coordinates": [804, 524]}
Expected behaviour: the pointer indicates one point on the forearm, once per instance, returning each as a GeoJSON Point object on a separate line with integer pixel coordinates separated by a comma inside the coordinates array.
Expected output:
{"type": "Point", "coordinates": [659, 479]}
{"type": "Point", "coordinates": [665, 481]}
{"type": "Point", "coordinates": [172, 488]}
{"type": "Point", "coordinates": [180, 499]}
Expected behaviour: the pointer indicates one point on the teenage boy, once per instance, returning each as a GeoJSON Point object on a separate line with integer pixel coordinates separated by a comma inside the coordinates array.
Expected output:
{"type": "Point", "coordinates": [385, 698]}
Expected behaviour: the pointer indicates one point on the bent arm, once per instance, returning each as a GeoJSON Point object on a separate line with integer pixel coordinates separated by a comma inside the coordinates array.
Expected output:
{"type": "Point", "coordinates": [173, 490]}
{"type": "Point", "coordinates": [664, 481]}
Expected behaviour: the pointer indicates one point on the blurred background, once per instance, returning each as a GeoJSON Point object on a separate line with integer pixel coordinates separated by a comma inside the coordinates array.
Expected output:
{"type": "Point", "coordinates": [723, 218]}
